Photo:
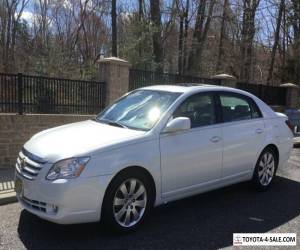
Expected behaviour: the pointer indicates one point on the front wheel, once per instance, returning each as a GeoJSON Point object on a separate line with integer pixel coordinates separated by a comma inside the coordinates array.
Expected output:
{"type": "Point", "coordinates": [265, 169]}
{"type": "Point", "coordinates": [128, 201]}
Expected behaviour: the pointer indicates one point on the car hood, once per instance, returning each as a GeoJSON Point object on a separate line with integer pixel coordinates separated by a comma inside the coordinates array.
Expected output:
{"type": "Point", "coordinates": [81, 138]}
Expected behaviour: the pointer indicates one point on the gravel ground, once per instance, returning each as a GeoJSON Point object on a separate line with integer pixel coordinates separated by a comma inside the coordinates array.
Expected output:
{"type": "Point", "coordinates": [206, 221]}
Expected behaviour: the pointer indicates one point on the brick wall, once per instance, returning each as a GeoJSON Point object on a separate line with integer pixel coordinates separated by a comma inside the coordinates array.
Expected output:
{"type": "Point", "coordinates": [15, 130]}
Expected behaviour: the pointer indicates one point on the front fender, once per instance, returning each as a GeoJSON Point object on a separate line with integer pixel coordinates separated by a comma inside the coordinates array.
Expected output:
{"type": "Point", "coordinates": [144, 154]}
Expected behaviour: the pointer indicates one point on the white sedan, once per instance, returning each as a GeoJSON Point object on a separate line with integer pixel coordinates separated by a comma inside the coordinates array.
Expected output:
{"type": "Point", "coordinates": [154, 145]}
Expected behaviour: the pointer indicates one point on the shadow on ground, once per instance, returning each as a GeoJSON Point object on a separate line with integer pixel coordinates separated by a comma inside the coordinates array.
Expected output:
{"type": "Point", "coordinates": [205, 221]}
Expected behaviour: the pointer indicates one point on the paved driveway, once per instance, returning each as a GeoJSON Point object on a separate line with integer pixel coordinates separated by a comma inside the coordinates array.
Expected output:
{"type": "Point", "coordinates": [205, 221]}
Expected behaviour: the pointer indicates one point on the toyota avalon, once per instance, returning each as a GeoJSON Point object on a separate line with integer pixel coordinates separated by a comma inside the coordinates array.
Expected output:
{"type": "Point", "coordinates": [153, 145]}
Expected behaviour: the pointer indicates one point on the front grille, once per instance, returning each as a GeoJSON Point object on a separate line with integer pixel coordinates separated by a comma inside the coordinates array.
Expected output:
{"type": "Point", "coordinates": [37, 205]}
{"type": "Point", "coordinates": [29, 165]}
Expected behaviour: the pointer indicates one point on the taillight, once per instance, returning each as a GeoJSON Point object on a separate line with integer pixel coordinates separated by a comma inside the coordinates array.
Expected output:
{"type": "Point", "coordinates": [290, 125]}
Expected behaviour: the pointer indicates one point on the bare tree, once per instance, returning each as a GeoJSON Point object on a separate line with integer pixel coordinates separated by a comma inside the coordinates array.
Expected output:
{"type": "Point", "coordinates": [222, 37]}
{"type": "Point", "coordinates": [114, 49]}
{"type": "Point", "coordinates": [11, 12]}
{"type": "Point", "coordinates": [198, 37]}
{"type": "Point", "coordinates": [276, 40]}
{"type": "Point", "coordinates": [202, 25]}
{"type": "Point", "coordinates": [181, 14]}
{"type": "Point", "coordinates": [185, 37]}
{"type": "Point", "coordinates": [141, 17]}
{"type": "Point", "coordinates": [248, 33]}
{"type": "Point", "coordinates": [296, 45]}
{"type": "Point", "coordinates": [156, 36]}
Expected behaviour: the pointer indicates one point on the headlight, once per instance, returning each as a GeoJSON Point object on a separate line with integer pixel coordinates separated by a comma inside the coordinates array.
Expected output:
{"type": "Point", "coordinates": [68, 168]}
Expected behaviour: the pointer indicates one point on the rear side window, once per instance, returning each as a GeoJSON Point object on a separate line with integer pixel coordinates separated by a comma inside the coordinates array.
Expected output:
{"type": "Point", "coordinates": [255, 110]}
{"type": "Point", "coordinates": [238, 108]}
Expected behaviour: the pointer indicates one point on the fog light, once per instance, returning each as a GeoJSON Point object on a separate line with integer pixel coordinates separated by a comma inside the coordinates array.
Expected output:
{"type": "Point", "coordinates": [51, 209]}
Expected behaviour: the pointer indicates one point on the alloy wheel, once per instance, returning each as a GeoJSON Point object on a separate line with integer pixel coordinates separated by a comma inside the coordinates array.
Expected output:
{"type": "Point", "coordinates": [266, 169]}
{"type": "Point", "coordinates": [129, 202]}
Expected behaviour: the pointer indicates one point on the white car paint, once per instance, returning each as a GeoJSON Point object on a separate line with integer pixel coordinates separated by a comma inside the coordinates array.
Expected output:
{"type": "Point", "coordinates": [181, 164]}
{"type": "Point", "coordinates": [181, 159]}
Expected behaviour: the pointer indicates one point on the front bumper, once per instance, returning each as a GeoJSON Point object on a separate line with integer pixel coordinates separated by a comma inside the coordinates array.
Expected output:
{"type": "Point", "coordinates": [77, 200]}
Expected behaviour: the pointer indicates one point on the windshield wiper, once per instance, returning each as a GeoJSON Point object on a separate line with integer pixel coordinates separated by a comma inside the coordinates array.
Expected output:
{"type": "Point", "coordinates": [117, 124]}
{"type": "Point", "coordinates": [112, 123]}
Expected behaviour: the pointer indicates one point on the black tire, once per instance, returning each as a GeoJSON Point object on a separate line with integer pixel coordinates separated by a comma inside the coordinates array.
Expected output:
{"type": "Point", "coordinates": [108, 208]}
{"type": "Point", "coordinates": [257, 177]}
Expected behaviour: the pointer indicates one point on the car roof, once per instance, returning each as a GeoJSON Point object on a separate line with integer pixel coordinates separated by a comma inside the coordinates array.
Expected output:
{"type": "Point", "coordinates": [192, 88]}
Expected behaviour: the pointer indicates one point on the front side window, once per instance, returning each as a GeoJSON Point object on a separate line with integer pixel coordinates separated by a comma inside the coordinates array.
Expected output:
{"type": "Point", "coordinates": [199, 108]}
{"type": "Point", "coordinates": [140, 109]}
{"type": "Point", "coordinates": [237, 108]}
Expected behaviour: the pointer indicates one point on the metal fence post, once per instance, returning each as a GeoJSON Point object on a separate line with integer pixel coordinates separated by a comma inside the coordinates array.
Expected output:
{"type": "Point", "coordinates": [20, 93]}
{"type": "Point", "coordinates": [260, 91]}
{"type": "Point", "coordinates": [103, 95]}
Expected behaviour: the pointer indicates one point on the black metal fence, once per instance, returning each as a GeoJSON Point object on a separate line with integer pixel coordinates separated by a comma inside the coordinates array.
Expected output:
{"type": "Point", "coordinates": [271, 95]}
{"type": "Point", "coordinates": [21, 93]}
{"type": "Point", "coordinates": [141, 78]}
{"type": "Point", "coordinates": [35, 94]}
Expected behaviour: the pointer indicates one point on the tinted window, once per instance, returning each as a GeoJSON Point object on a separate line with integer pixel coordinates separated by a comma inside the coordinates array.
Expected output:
{"type": "Point", "coordinates": [237, 108]}
{"type": "Point", "coordinates": [199, 108]}
{"type": "Point", "coordinates": [255, 110]}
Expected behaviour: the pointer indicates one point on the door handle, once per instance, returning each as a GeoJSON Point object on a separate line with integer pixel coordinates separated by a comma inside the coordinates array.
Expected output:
{"type": "Point", "coordinates": [215, 139]}
{"type": "Point", "coordinates": [258, 131]}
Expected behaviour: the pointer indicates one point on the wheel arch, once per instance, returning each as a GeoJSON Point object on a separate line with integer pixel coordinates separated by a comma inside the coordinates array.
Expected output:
{"type": "Point", "coordinates": [274, 148]}
{"type": "Point", "coordinates": [255, 177]}
{"type": "Point", "coordinates": [133, 168]}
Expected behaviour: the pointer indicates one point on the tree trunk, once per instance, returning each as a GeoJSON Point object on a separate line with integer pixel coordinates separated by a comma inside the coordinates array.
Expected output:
{"type": "Point", "coordinates": [156, 36]}
{"type": "Point", "coordinates": [8, 37]}
{"type": "Point", "coordinates": [296, 45]}
{"type": "Point", "coordinates": [141, 16]}
{"type": "Point", "coordinates": [284, 38]}
{"type": "Point", "coordinates": [222, 36]}
{"type": "Point", "coordinates": [114, 49]}
{"type": "Point", "coordinates": [248, 32]}
{"type": "Point", "coordinates": [186, 29]}
{"type": "Point", "coordinates": [180, 45]}
{"type": "Point", "coordinates": [276, 41]}
{"type": "Point", "coordinates": [199, 37]}
{"type": "Point", "coordinates": [140, 9]}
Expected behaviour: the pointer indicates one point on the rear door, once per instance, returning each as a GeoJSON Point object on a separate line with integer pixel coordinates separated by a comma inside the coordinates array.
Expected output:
{"type": "Point", "coordinates": [243, 134]}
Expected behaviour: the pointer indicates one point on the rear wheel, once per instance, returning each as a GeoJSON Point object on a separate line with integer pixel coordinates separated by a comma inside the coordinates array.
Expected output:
{"type": "Point", "coordinates": [265, 169]}
{"type": "Point", "coordinates": [128, 201]}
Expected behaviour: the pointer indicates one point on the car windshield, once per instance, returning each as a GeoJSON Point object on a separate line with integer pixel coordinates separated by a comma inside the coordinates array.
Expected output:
{"type": "Point", "coordinates": [140, 109]}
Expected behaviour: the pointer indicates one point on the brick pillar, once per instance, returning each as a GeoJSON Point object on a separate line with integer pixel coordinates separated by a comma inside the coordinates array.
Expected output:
{"type": "Point", "coordinates": [115, 73]}
{"type": "Point", "coordinates": [226, 80]}
{"type": "Point", "coordinates": [292, 95]}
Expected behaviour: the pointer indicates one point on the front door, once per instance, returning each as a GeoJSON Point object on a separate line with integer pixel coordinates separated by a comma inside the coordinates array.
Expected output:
{"type": "Point", "coordinates": [192, 158]}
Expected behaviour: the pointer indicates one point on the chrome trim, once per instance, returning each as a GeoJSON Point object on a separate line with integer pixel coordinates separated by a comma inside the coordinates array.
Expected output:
{"type": "Point", "coordinates": [29, 161]}
{"type": "Point", "coordinates": [27, 167]}
{"type": "Point", "coordinates": [22, 173]}
{"type": "Point", "coordinates": [32, 171]}
{"type": "Point", "coordinates": [33, 157]}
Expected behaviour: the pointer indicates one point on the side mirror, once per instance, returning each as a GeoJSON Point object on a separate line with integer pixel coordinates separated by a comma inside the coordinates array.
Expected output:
{"type": "Point", "coordinates": [178, 124]}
